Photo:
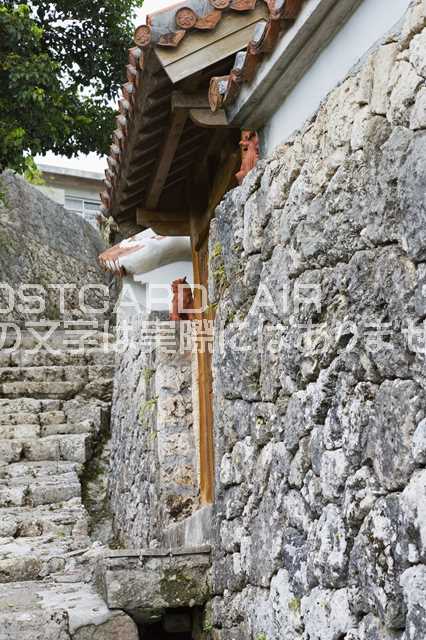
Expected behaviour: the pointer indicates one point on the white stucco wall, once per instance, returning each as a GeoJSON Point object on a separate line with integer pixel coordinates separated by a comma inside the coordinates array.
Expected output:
{"type": "Point", "coordinates": [151, 291]}
{"type": "Point", "coordinates": [370, 22]}
{"type": "Point", "coordinates": [57, 195]}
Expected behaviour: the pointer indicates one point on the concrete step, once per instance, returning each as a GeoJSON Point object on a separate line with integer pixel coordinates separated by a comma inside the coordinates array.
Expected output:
{"type": "Point", "coordinates": [60, 519]}
{"type": "Point", "coordinates": [59, 611]}
{"type": "Point", "coordinates": [74, 448]}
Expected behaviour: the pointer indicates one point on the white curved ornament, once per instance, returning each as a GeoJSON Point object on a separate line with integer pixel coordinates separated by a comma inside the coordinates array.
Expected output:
{"type": "Point", "coordinates": [145, 252]}
{"type": "Point", "coordinates": [147, 264]}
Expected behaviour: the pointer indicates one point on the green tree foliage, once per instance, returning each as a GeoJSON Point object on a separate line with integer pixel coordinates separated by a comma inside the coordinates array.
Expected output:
{"type": "Point", "coordinates": [61, 64]}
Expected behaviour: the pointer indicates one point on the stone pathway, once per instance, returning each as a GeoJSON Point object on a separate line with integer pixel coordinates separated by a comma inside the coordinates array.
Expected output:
{"type": "Point", "coordinates": [53, 408]}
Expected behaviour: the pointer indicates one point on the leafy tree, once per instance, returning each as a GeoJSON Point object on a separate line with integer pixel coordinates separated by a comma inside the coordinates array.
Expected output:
{"type": "Point", "coordinates": [61, 63]}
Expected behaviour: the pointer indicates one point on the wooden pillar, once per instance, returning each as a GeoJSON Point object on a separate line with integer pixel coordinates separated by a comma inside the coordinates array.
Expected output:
{"type": "Point", "coordinates": [205, 380]}
{"type": "Point", "coordinates": [224, 179]}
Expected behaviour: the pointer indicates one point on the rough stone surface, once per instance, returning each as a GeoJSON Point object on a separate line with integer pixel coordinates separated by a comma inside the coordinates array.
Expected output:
{"type": "Point", "coordinates": [147, 587]}
{"type": "Point", "coordinates": [43, 244]}
{"type": "Point", "coordinates": [53, 498]}
{"type": "Point", "coordinates": [318, 277]}
{"type": "Point", "coordinates": [319, 391]}
{"type": "Point", "coordinates": [152, 421]}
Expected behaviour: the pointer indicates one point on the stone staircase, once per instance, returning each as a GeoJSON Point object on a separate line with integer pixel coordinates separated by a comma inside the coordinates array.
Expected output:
{"type": "Point", "coordinates": [54, 408]}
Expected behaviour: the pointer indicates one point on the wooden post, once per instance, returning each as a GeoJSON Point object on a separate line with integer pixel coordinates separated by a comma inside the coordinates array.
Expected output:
{"type": "Point", "coordinates": [200, 224]}
{"type": "Point", "coordinates": [205, 382]}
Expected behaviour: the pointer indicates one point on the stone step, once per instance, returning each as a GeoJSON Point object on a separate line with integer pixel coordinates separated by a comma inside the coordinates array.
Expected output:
{"type": "Point", "coordinates": [27, 405]}
{"type": "Point", "coordinates": [19, 418]}
{"type": "Point", "coordinates": [95, 386]}
{"type": "Point", "coordinates": [36, 470]}
{"type": "Point", "coordinates": [26, 559]}
{"type": "Point", "coordinates": [52, 373]}
{"type": "Point", "coordinates": [41, 390]}
{"type": "Point", "coordinates": [54, 337]}
{"type": "Point", "coordinates": [68, 428]}
{"type": "Point", "coordinates": [34, 624]}
{"type": "Point", "coordinates": [103, 357]}
{"type": "Point", "coordinates": [16, 431]}
{"type": "Point", "coordinates": [25, 431]}
{"type": "Point", "coordinates": [60, 519]}
{"type": "Point", "coordinates": [74, 448]}
{"type": "Point", "coordinates": [25, 358]}
{"type": "Point", "coordinates": [20, 492]}
{"type": "Point", "coordinates": [40, 611]}
{"type": "Point", "coordinates": [44, 374]}
{"type": "Point", "coordinates": [43, 358]}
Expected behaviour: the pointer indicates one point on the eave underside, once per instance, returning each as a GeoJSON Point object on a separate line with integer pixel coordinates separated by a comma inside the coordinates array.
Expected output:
{"type": "Point", "coordinates": [156, 170]}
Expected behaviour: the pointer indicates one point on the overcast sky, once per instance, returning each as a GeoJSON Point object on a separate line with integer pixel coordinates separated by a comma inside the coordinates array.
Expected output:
{"type": "Point", "coordinates": [92, 162]}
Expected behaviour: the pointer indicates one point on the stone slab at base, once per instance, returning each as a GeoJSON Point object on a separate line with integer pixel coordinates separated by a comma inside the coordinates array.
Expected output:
{"type": "Point", "coordinates": [146, 586]}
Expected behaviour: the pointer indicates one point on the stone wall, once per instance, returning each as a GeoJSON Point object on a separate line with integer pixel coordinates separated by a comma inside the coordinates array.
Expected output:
{"type": "Point", "coordinates": [43, 244]}
{"type": "Point", "coordinates": [318, 273]}
{"type": "Point", "coordinates": [153, 477]}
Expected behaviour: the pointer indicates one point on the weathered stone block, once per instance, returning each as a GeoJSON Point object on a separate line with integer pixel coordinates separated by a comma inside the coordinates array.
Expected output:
{"type": "Point", "coordinates": [413, 582]}
{"type": "Point", "coordinates": [326, 614]}
{"type": "Point", "coordinates": [146, 588]}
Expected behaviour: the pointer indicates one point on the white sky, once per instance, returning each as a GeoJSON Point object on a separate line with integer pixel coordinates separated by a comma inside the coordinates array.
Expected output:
{"type": "Point", "coordinates": [92, 162]}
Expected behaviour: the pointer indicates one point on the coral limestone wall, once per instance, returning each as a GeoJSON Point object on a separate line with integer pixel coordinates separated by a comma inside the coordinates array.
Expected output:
{"type": "Point", "coordinates": [153, 476]}
{"type": "Point", "coordinates": [319, 375]}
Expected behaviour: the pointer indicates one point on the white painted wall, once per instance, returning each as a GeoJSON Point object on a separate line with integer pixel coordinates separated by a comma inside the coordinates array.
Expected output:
{"type": "Point", "coordinates": [57, 195]}
{"type": "Point", "coordinates": [151, 291]}
{"type": "Point", "coordinates": [368, 25]}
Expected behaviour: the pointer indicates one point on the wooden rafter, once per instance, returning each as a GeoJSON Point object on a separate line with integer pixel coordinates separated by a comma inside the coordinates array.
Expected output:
{"type": "Point", "coordinates": [166, 157]}
{"type": "Point", "coordinates": [182, 100]}
{"type": "Point", "coordinates": [145, 217]}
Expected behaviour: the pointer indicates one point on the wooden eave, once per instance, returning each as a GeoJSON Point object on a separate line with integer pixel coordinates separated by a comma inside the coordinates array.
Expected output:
{"type": "Point", "coordinates": [159, 144]}
{"type": "Point", "coordinates": [203, 49]}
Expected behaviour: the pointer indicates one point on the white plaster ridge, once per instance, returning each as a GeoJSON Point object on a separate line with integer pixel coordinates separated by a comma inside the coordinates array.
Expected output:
{"type": "Point", "coordinates": [298, 90]}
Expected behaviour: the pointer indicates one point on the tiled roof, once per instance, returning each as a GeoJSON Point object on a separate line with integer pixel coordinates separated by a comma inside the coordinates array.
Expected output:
{"type": "Point", "coordinates": [168, 29]}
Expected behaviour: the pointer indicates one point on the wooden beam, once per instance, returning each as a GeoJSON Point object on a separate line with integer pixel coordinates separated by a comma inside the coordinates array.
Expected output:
{"type": "Point", "coordinates": [138, 173]}
{"type": "Point", "coordinates": [165, 160]}
{"type": "Point", "coordinates": [175, 181]}
{"type": "Point", "coordinates": [175, 229]}
{"type": "Point", "coordinates": [206, 118]}
{"type": "Point", "coordinates": [145, 217]}
{"type": "Point", "coordinates": [148, 135]}
{"type": "Point", "coordinates": [185, 154]}
{"type": "Point", "coordinates": [181, 100]}
{"type": "Point", "coordinates": [190, 139]}
{"type": "Point", "coordinates": [131, 202]}
{"type": "Point", "coordinates": [224, 179]}
{"type": "Point", "coordinates": [180, 168]}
